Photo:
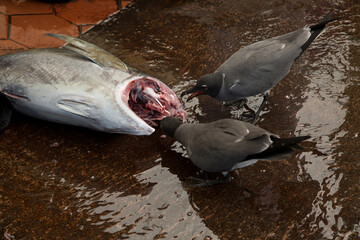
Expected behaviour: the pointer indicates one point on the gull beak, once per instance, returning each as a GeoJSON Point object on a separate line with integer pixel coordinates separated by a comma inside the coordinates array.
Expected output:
{"type": "Point", "coordinates": [196, 93]}
{"type": "Point", "coordinates": [185, 92]}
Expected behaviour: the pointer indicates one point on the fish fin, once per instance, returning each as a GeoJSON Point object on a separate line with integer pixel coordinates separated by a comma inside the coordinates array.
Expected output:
{"type": "Point", "coordinates": [15, 96]}
{"type": "Point", "coordinates": [5, 112]}
{"type": "Point", "coordinates": [92, 52]}
{"type": "Point", "coordinates": [76, 107]}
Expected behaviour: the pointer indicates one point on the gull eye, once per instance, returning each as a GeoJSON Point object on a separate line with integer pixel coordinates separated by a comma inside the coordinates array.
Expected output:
{"type": "Point", "coordinates": [204, 86]}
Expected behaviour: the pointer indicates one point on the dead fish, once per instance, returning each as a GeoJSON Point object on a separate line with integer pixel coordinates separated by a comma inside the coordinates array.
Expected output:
{"type": "Point", "coordinates": [83, 85]}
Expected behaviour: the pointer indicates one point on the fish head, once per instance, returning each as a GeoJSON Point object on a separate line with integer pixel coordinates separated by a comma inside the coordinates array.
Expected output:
{"type": "Point", "coordinates": [146, 101]}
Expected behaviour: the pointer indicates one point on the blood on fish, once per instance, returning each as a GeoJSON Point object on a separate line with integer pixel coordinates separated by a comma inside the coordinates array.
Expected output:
{"type": "Point", "coordinates": [155, 103]}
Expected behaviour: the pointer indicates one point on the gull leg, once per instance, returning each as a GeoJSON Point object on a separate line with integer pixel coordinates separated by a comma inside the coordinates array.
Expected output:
{"type": "Point", "coordinates": [246, 192]}
{"type": "Point", "coordinates": [240, 103]}
{"type": "Point", "coordinates": [262, 105]}
{"type": "Point", "coordinates": [208, 182]}
{"type": "Point", "coordinates": [255, 115]}
{"type": "Point", "coordinates": [249, 115]}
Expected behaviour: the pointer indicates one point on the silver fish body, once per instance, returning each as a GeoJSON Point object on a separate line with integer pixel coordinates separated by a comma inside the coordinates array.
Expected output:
{"type": "Point", "coordinates": [69, 86]}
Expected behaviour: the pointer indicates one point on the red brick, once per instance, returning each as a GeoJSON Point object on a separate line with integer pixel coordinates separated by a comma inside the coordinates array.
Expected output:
{"type": "Point", "coordinates": [8, 46]}
{"type": "Point", "coordinates": [3, 26]}
{"type": "Point", "coordinates": [124, 3]}
{"type": "Point", "coordinates": [11, 7]}
{"type": "Point", "coordinates": [84, 11]}
{"type": "Point", "coordinates": [84, 28]}
{"type": "Point", "coordinates": [30, 29]}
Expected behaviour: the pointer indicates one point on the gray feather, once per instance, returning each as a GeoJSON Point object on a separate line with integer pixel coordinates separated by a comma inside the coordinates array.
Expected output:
{"type": "Point", "coordinates": [260, 66]}
{"type": "Point", "coordinates": [219, 145]}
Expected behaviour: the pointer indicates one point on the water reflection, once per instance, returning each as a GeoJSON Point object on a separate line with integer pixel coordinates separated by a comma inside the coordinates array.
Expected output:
{"type": "Point", "coordinates": [153, 214]}
{"type": "Point", "coordinates": [322, 116]}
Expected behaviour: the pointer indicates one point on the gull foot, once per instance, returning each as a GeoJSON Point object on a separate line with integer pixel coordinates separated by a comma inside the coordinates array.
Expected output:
{"type": "Point", "coordinates": [208, 182]}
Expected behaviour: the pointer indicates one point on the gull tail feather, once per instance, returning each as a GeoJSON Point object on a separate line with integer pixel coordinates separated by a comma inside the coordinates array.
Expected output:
{"type": "Point", "coordinates": [280, 149]}
{"type": "Point", "coordinates": [318, 28]}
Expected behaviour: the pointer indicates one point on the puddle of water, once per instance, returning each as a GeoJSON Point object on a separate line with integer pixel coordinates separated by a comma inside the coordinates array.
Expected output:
{"type": "Point", "coordinates": [154, 214]}
{"type": "Point", "coordinates": [65, 181]}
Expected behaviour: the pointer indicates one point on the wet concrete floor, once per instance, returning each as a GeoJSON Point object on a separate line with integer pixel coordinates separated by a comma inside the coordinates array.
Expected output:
{"type": "Point", "coordinates": [62, 182]}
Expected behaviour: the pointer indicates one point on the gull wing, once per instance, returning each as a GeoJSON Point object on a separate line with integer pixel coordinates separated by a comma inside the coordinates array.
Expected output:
{"type": "Point", "coordinates": [220, 145]}
{"type": "Point", "coordinates": [259, 66]}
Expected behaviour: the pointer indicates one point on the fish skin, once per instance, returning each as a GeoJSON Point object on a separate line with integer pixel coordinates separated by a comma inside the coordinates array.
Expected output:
{"type": "Point", "coordinates": [63, 86]}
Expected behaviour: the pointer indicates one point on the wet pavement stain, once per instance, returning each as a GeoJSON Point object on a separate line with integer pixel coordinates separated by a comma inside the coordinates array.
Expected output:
{"type": "Point", "coordinates": [64, 182]}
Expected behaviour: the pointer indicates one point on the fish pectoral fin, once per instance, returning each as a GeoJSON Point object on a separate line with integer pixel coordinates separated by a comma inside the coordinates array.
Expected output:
{"type": "Point", "coordinates": [92, 52]}
{"type": "Point", "coordinates": [5, 112]}
{"type": "Point", "coordinates": [14, 95]}
{"type": "Point", "coordinates": [80, 108]}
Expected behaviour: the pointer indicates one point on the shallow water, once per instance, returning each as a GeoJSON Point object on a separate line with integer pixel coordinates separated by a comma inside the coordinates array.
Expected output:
{"type": "Point", "coordinates": [69, 183]}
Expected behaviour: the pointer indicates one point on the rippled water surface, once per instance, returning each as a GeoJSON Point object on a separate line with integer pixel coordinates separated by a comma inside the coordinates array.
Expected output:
{"type": "Point", "coordinates": [69, 183]}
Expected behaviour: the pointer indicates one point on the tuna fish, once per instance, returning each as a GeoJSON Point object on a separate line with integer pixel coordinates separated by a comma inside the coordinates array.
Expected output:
{"type": "Point", "coordinates": [83, 85]}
